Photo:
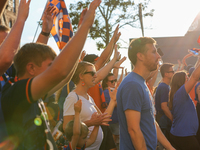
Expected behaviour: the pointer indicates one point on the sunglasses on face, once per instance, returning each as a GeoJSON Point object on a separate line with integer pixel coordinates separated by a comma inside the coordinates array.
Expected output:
{"type": "Point", "coordinates": [170, 72]}
{"type": "Point", "coordinates": [112, 80]}
{"type": "Point", "coordinates": [90, 72]}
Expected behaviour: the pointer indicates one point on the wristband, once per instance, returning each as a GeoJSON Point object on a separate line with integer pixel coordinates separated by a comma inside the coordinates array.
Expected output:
{"type": "Point", "coordinates": [45, 33]}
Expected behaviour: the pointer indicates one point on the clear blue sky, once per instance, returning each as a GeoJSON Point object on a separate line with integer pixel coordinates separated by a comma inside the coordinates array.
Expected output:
{"type": "Point", "coordinates": [171, 18]}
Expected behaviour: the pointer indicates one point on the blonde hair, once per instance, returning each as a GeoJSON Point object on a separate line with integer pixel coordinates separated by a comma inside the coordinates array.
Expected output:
{"type": "Point", "coordinates": [81, 68]}
{"type": "Point", "coordinates": [69, 129]}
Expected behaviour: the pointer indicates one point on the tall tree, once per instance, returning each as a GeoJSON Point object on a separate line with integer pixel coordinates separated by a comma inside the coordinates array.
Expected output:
{"type": "Point", "coordinates": [109, 14]}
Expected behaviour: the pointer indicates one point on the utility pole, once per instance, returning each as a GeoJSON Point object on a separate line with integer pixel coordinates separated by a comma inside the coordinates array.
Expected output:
{"type": "Point", "coordinates": [140, 16]}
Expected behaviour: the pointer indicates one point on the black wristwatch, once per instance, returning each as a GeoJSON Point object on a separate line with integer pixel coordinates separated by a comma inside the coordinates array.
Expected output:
{"type": "Point", "coordinates": [45, 33]}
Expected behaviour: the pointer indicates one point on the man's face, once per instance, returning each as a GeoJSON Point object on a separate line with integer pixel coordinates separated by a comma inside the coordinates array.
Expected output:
{"type": "Point", "coordinates": [170, 73]}
{"type": "Point", "coordinates": [2, 36]}
{"type": "Point", "coordinates": [45, 64]}
{"type": "Point", "coordinates": [151, 57]}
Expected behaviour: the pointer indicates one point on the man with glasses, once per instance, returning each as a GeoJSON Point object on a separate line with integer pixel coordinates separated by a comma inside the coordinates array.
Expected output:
{"type": "Point", "coordinates": [163, 114]}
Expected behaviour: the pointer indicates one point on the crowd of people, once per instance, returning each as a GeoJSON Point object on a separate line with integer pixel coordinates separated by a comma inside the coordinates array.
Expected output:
{"type": "Point", "coordinates": [76, 101]}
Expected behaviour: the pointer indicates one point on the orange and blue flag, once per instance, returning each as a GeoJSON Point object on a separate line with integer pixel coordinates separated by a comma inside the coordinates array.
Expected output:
{"type": "Point", "coordinates": [62, 28]}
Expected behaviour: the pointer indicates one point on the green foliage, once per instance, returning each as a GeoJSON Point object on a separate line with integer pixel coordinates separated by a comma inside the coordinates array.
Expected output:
{"type": "Point", "coordinates": [108, 15]}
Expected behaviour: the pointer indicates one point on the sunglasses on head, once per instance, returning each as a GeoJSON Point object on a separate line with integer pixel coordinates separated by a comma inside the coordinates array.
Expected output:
{"type": "Point", "coordinates": [112, 80]}
{"type": "Point", "coordinates": [90, 72]}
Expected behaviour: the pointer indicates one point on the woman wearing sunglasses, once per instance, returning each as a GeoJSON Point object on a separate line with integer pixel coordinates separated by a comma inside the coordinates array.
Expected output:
{"type": "Point", "coordinates": [185, 121]}
{"type": "Point", "coordinates": [110, 83]}
{"type": "Point", "coordinates": [84, 78]}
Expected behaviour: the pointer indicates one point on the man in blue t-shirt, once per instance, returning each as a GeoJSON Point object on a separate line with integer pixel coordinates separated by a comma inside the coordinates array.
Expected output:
{"type": "Point", "coordinates": [138, 128]}
{"type": "Point", "coordinates": [163, 114]}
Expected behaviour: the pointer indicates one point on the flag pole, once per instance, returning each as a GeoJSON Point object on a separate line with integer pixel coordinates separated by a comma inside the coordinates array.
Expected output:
{"type": "Point", "coordinates": [39, 21]}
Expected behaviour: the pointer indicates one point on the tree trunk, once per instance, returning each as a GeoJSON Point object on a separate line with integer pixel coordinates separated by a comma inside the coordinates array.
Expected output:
{"type": "Point", "coordinates": [107, 32]}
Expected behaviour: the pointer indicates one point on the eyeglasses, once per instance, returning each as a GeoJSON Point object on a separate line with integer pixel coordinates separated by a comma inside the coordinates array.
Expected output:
{"type": "Point", "coordinates": [112, 80]}
{"type": "Point", "coordinates": [170, 71]}
{"type": "Point", "coordinates": [90, 72]}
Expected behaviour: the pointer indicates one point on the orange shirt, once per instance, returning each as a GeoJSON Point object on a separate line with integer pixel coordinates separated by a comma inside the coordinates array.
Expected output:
{"type": "Point", "coordinates": [95, 94]}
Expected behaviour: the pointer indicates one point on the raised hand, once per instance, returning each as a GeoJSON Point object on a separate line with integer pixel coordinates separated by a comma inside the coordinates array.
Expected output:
{"type": "Point", "coordinates": [82, 55]}
{"type": "Point", "coordinates": [23, 10]}
{"type": "Point", "coordinates": [47, 18]}
{"type": "Point", "coordinates": [113, 93]}
{"type": "Point", "coordinates": [117, 55]}
{"type": "Point", "coordinates": [82, 16]}
{"type": "Point", "coordinates": [90, 14]}
{"type": "Point", "coordinates": [118, 63]}
{"type": "Point", "coordinates": [116, 34]}
{"type": "Point", "coordinates": [78, 106]}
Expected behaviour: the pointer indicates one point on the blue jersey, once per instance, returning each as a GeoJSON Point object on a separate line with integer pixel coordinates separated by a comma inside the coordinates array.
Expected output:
{"type": "Point", "coordinates": [185, 120]}
{"type": "Point", "coordinates": [162, 95]}
{"type": "Point", "coordinates": [134, 94]}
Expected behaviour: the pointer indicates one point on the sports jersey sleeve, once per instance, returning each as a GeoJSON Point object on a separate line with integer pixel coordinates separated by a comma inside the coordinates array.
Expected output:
{"type": "Point", "coordinates": [132, 96]}
{"type": "Point", "coordinates": [68, 107]}
{"type": "Point", "coordinates": [17, 95]}
{"type": "Point", "coordinates": [165, 94]}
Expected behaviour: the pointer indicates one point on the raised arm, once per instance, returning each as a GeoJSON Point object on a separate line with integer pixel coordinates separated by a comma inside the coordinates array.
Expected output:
{"type": "Point", "coordinates": [69, 76]}
{"type": "Point", "coordinates": [46, 24]}
{"type": "Point", "coordinates": [198, 62]}
{"type": "Point", "coordinates": [76, 126]}
{"type": "Point", "coordinates": [63, 82]}
{"type": "Point", "coordinates": [152, 79]}
{"type": "Point", "coordinates": [121, 76]}
{"type": "Point", "coordinates": [193, 79]}
{"type": "Point", "coordinates": [179, 65]}
{"type": "Point", "coordinates": [103, 72]}
{"type": "Point", "coordinates": [113, 103]}
{"type": "Point", "coordinates": [10, 45]}
{"type": "Point", "coordinates": [105, 55]}
{"type": "Point", "coordinates": [117, 65]}
{"type": "Point", "coordinates": [185, 57]}
{"type": "Point", "coordinates": [65, 61]}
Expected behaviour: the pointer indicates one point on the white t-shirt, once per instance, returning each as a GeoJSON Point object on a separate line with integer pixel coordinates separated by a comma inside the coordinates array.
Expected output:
{"type": "Point", "coordinates": [88, 108]}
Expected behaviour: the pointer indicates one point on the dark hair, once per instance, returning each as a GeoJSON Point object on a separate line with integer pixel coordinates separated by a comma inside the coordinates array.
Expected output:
{"type": "Point", "coordinates": [105, 80]}
{"type": "Point", "coordinates": [165, 68]}
{"type": "Point", "coordinates": [138, 46]}
{"type": "Point", "coordinates": [81, 68]}
{"type": "Point", "coordinates": [178, 80]}
{"type": "Point", "coordinates": [90, 58]}
{"type": "Point", "coordinates": [4, 28]}
{"type": "Point", "coordinates": [69, 129]}
{"type": "Point", "coordinates": [32, 52]}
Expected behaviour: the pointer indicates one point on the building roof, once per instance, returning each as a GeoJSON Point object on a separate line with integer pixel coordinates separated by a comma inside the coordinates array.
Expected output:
{"type": "Point", "coordinates": [175, 48]}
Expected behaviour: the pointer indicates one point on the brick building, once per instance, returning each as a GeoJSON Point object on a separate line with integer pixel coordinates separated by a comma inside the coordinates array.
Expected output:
{"type": "Point", "coordinates": [9, 14]}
